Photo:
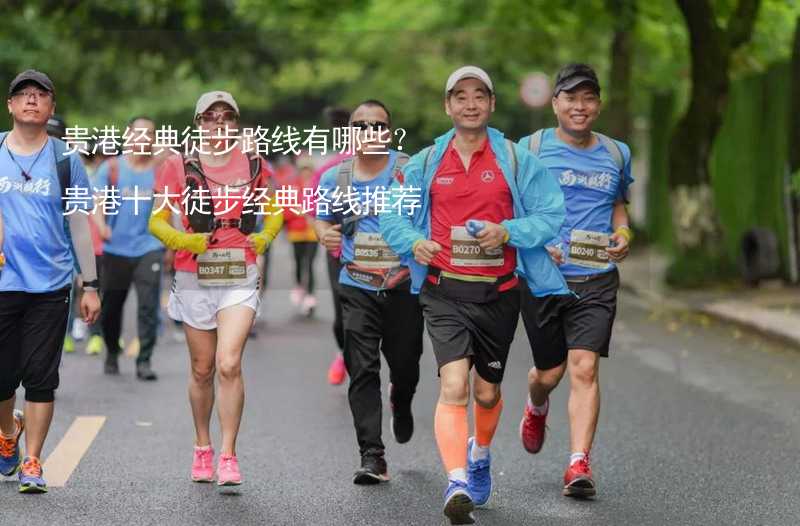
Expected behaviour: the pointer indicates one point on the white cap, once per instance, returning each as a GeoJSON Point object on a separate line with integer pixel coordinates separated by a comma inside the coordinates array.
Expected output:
{"type": "Point", "coordinates": [468, 72]}
{"type": "Point", "coordinates": [207, 100]}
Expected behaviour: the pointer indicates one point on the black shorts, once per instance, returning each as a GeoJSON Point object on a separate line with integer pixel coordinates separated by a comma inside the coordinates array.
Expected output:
{"type": "Point", "coordinates": [32, 329]}
{"type": "Point", "coordinates": [556, 324]}
{"type": "Point", "coordinates": [481, 331]}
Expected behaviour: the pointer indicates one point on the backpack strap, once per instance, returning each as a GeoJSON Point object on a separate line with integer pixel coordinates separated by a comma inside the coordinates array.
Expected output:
{"type": "Point", "coordinates": [63, 168]}
{"type": "Point", "coordinates": [535, 142]}
{"type": "Point", "coordinates": [344, 174]}
{"type": "Point", "coordinates": [512, 155]}
{"type": "Point", "coordinates": [613, 148]}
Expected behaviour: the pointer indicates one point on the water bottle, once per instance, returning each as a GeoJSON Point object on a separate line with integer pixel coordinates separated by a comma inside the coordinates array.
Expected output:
{"type": "Point", "coordinates": [474, 226]}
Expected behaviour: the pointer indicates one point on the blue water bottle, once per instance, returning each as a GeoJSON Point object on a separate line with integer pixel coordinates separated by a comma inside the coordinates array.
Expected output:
{"type": "Point", "coordinates": [474, 226]}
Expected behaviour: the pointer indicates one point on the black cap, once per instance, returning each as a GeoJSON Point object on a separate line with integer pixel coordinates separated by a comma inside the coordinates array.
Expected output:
{"type": "Point", "coordinates": [573, 75]}
{"type": "Point", "coordinates": [31, 75]}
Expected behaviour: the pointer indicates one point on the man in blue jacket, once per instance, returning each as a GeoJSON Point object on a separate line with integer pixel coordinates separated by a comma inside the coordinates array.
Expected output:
{"type": "Point", "coordinates": [486, 208]}
{"type": "Point", "coordinates": [570, 333]}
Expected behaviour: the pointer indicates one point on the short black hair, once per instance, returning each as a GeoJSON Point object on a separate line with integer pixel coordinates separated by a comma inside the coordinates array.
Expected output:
{"type": "Point", "coordinates": [568, 75]}
{"type": "Point", "coordinates": [337, 117]}
{"type": "Point", "coordinates": [375, 103]}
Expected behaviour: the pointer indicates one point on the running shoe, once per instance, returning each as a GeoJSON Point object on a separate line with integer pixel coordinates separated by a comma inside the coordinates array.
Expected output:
{"type": "Point", "coordinates": [95, 345]}
{"type": "Point", "coordinates": [296, 296]}
{"type": "Point", "coordinates": [80, 330]}
{"type": "Point", "coordinates": [145, 372]}
{"type": "Point", "coordinates": [111, 366]}
{"type": "Point", "coordinates": [337, 371]}
{"type": "Point", "coordinates": [9, 447]}
{"type": "Point", "coordinates": [308, 305]}
{"type": "Point", "coordinates": [203, 464]}
{"type": "Point", "coordinates": [373, 468]}
{"type": "Point", "coordinates": [458, 505]}
{"type": "Point", "coordinates": [532, 430]}
{"type": "Point", "coordinates": [228, 471]}
{"type": "Point", "coordinates": [69, 344]}
{"type": "Point", "coordinates": [30, 477]}
{"type": "Point", "coordinates": [578, 481]}
{"type": "Point", "coordinates": [479, 476]}
{"type": "Point", "coordinates": [402, 422]}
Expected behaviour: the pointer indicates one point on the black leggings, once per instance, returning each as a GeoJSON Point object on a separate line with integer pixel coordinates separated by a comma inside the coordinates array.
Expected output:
{"type": "Point", "coordinates": [304, 253]}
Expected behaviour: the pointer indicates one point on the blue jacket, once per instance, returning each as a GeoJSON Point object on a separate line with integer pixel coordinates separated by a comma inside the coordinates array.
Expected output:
{"type": "Point", "coordinates": [538, 213]}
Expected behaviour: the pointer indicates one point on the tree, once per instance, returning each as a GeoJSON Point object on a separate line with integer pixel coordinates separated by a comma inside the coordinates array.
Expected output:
{"type": "Point", "coordinates": [620, 117]}
{"type": "Point", "coordinates": [711, 47]}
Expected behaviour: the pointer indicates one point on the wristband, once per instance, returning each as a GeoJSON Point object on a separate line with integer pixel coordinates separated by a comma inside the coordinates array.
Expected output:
{"type": "Point", "coordinates": [414, 246]}
{"type": "Point", "coordinates": [91, 285]}
{"type": "Point", "coordinates": [625, 232]}
{"type": "Point", "coordinates": [506, 237]}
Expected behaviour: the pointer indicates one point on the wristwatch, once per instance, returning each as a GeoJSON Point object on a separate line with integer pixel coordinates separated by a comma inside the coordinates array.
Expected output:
{"type": "Point", "coordinates": [91, 285]}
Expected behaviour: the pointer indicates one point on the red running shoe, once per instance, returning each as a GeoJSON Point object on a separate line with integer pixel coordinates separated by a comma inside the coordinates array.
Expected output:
{"type": "Point", "coordinates": [532, 430]}
{"type": "Point", "coordinates": [578, 480]}
{"type": "Point", "coordinates": [337, 371]}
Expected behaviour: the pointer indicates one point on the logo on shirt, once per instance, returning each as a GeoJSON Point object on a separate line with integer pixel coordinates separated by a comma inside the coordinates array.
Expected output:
{"type": "Point", "coordinates": [599, 180]}
{"type": "Point", "coordinates": [487, 176]}
{"type": "Point", "coordinates": [445, 180]}
{"type": "Point", "coordinates": [37, 186]}
{"type": "Point", "coordinates": [398, 176]}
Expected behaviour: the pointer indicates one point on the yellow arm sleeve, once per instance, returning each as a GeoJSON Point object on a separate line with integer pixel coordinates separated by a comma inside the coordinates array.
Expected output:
{"type": "Point", "coordinates": [174, 239]}
{"type": "Point", "coordinates": [272, 226]}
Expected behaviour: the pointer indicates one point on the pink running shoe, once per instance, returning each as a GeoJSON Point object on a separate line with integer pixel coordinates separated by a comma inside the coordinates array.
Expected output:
{"type": "Point", "coordinates": [228, 471]}
{"type": "Point", "coordinates": [308, 306]}
{"type": "Point", "coordinates": [203, 464]}
{"type": "Point", "coordinates": [337, 372]}
{"type": "Point", "coordinates": [296, 296]}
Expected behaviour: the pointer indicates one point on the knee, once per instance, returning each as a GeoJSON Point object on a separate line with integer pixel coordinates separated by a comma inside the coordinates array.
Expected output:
{"type": "Point", "coordinates": [454, 390]}
{"type": "Point", "coordinates": [583, 370]}
{"type": "Point", "coordinates": [547, 378]}
{"type": "Point", "coordinates": [202, 374]}
{"type": "Point", "coordinates": [487, 396]}
{"type": "Point", "coordinates": [229, 369]}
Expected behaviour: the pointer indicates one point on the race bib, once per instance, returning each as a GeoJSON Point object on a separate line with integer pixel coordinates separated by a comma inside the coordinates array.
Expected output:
{"type": "Point", "coordinates": [370, 251]}
{"type": "Point", "coordinates": [220, 267]}
{"type": "Point", "coordinates": [467, 252]}
{"type": "Point", "coordinates": [588, 249]}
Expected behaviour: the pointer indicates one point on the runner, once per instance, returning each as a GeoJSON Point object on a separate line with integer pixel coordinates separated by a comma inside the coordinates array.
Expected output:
{"type": "Point", "coordinates": [131, 255]}
{"type": "Point", "coordinates": [570, 333]}
{"type": "Point", "coordinates": [486, 206]}
{"type": "Point", "coordinates": [215, 291]}
{"type": "Point", "coordinates": [379, 312]}
{"type": "Point", "coordinates": [36, 278]}
{"type": "Point", "coordinates": [300, 232]}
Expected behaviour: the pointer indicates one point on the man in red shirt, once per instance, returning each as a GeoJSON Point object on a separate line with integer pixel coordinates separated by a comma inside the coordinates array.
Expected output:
{"type": "Point", "coordinates": [485, 203]}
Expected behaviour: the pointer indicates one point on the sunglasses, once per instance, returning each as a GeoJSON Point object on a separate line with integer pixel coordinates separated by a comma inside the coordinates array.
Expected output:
{"type": "Point", "coordinates": [363, 125]}
{"type": "Point", "coordinates": [213, 116]}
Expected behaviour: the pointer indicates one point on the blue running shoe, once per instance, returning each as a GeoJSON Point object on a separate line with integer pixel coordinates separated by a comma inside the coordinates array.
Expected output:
{"type": "Point", "coordinates": [9, 448]}
{"type": "Point", "coordinates": [30, 477]}
{"type": "Point", "coordinates": [458, 504]}
{"type": "Point", "coordinates": [479, 476]}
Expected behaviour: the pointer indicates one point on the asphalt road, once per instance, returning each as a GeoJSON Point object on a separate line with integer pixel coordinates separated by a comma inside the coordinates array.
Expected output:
{"type": "Point", "coordinates": [700, 424]}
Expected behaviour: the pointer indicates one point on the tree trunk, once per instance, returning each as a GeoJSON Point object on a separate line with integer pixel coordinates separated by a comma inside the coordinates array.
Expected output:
{"type": "Point", "coordinates": [620, 119]}
{"type": "Point", "coordinates": [695, 222]}
{"type": "Point", "coordinates": [794, 98]}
